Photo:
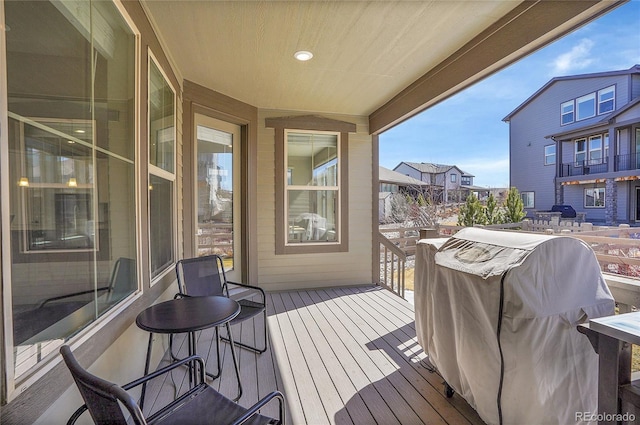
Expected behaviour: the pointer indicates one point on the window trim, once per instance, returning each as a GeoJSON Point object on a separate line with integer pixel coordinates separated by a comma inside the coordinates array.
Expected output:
{"type": "Point", "coordinates": [160, 172]}
{"type": "Point", "coordinates": [547, 155]}
{"type": "Point", "coordinates": [319, 124]}
{"type": "Point", "coordinates": [454, 178]}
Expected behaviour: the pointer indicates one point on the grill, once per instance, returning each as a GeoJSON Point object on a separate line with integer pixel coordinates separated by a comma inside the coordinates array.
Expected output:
{"type": "Point", "coordinates": [566, 210]}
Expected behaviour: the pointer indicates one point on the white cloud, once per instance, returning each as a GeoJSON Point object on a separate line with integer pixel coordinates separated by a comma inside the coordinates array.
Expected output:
{"type": "Point", "coordinates": [579, 57]}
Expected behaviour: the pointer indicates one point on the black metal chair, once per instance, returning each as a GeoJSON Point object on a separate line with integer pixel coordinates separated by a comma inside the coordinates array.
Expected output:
{"type": "Point", "coordinates": [205, 276]}
{"type": "Point", "coordinates": [201, 404]}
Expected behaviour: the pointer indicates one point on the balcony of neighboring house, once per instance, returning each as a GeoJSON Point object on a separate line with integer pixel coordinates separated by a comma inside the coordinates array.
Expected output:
{"type": "Point", "coordinates": [627, 162]}
{"type": "Point", "coordinates": [584, 168]}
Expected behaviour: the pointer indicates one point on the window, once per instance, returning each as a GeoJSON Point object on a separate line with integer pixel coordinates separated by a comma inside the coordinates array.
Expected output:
{"type": "Point", "coordinates": [71, 163]}
{"type": "Point", "coordinates": [313, 205]}
{"type": "Point", "coordinates": [606, 100]}
{"type": "Point", "coordinates": [566, 112]}
{"type": "Point", "coordinates": [581, 152]}
{"type": "Point", "coordinates": [311, 199]}
{"type": "Point", "coordinates": [528, 199]}
{"type": "Point", "coordinates": [549, 154]}
{"type": "Point", "coordinates": [594, 197]}
{"type": "Point", "coordinates": [454, 178]}
{"type": "Point", "coordinates": [162, 140]}
{"type": "Point", "coordinates": [465, 181]}
{"type": "Point", "coordinates": [586, 106]}
{"type": "Point", "coordinates": [595, 150]}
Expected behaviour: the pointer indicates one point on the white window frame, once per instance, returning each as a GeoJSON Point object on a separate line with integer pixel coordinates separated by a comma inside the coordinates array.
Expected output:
{"type": "Point", "coordinates": [568, 111]}
{"type": "Point", "coordinates": [161, 173]}
{"type": "Point", "coordinates": [548, 155]}
{"type": "Point", "coordinates": [526, 197]}
{"type": "Point", "coordinates": [604, 91]}
{"type": "Point", "coordinates": [591, 97]}
{"type": "Point", "coordinates": [601, 195]}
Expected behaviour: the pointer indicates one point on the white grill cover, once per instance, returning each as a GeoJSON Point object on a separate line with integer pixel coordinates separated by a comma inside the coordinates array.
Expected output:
{"type": "Point", "coordinates": [550, 284]}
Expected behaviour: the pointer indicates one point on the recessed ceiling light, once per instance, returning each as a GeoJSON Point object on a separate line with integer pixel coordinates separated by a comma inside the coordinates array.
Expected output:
{"type": "Point", "coordinates": [80, 131]}
{"type": "Point", "coordinates": [303, 55]}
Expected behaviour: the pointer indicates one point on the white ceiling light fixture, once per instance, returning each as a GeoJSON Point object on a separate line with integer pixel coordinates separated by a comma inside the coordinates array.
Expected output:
{"type": "Point", "coordinates": [303, 55]}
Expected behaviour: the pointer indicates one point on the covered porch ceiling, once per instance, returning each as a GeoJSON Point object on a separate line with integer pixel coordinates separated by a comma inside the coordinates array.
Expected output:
{"type": "Point", "coordinates": [387, 60]}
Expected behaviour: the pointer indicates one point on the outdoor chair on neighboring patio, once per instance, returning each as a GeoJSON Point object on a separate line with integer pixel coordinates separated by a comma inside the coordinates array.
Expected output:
{"type": "Point", "coordinates": [205, 276]}
{"type": "Point", "coordinates": [201, 404]}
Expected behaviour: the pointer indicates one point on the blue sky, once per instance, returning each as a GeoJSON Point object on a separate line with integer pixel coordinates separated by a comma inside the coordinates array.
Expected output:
{"type": "Point", "coordinates": [467, 129]}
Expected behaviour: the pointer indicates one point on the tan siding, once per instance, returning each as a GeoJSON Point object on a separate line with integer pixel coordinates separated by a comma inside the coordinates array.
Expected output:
{"type": "Point", "coordinates": [276, 272]}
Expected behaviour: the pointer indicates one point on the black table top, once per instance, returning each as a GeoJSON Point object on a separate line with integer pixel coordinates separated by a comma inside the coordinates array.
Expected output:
{"type": "Point", "coordinates": [187, 314]}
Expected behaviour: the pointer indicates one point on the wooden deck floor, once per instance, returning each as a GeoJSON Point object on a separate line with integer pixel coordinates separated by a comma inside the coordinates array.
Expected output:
{"type": "Point", "coordinates": [340, 356]}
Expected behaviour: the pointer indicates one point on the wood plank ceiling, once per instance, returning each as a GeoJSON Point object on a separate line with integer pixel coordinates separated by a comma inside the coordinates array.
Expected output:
{"type": "Point", "coordinates": [365, 53]}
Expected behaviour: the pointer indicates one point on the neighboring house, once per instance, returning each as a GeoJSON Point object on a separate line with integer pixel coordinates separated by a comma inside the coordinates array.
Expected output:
{"type": "Point", "coordinates": [448, 182]}
{"type": "Point", "coordinates": [136, 133]}
{"type": "Point", "coordinates": [392, 182]}
{"type": "Point", "coordinates": [576, 141]}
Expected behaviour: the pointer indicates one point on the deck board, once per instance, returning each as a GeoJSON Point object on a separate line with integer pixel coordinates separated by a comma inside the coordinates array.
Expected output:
{"type": "Point", "coordinates": [340, 355]}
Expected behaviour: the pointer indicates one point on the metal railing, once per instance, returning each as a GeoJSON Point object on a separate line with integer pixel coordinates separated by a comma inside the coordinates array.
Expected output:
{"type": "Point", "coordinates": [627, 162]}
{"type": "Point", "coordinates": [583, 168]}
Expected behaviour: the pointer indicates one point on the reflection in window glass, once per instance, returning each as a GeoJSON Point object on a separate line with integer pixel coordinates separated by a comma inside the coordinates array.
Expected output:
{"type": "Point", "coordinates": [71, 165]}
{"type": "Point", "coordinates": [586, 106]}
{"type": "Point", "coordinates": [161, 120]}
{"type": "Point", "coordinates": [215, 193]}
{"type": "Point", "coordinates": [566, 111]}
{"type": "Point", "coordinates": [595, 150]}
{"type": "Point", "coordinates": [606, 100]}
{"type": "Point", "coordinates": [162, 139]}
{"type": "Point", "coordinates": [528, 199]}
{"type": "Point", "coordinates": [312, 187]}
{"type": "Point", "coordinates": [549, 154]}
{"type": "Point", "coordinates": [594, 197]}
{"type": "Point", "coordinates": [161, 165]}
{"type": "Point", "coordinates": [160, 223]}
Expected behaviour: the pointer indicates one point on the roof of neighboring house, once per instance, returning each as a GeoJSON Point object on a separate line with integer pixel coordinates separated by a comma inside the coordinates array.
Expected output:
{"type": "Point", "coordinates": [429, 168]}
{"type": "Point", "coordinates": [633, 70]}
{"type": "Point", "coordinates": [387, 175]}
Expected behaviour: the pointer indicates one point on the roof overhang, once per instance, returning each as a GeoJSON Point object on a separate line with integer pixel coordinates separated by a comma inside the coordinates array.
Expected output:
{"type": "Point", "coordinates": [387, 60]}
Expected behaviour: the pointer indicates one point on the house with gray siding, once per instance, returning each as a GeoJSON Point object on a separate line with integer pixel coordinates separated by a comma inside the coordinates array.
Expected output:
{"type": "Point", "coordinates": [450, 183]}
{"type": "Point", "coordinates": [576, 141]}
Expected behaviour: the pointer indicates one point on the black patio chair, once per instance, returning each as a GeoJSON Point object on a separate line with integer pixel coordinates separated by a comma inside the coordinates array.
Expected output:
{"type": "Point", "coordinates": [205, 276]}
{"type": "Point", "coordinates": [201, 404]}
